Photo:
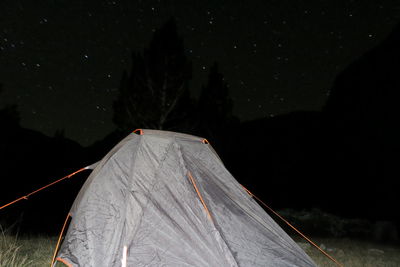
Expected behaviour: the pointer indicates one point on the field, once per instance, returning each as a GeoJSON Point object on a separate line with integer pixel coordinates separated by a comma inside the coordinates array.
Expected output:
{"type": "Point", "coordinates": [37, 251]}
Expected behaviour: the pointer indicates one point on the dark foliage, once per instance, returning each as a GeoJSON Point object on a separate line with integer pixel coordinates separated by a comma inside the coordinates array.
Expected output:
{"type": "Point", "coordinates": [215, 119]}
{"type": "Point", "coordinates": [155, 93]}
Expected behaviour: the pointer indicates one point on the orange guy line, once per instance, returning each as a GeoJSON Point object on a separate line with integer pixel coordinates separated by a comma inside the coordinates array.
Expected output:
{"type": "Point", "coordinates": [294, 228]}
{"type": "Point", "coordinates": [44, 187]}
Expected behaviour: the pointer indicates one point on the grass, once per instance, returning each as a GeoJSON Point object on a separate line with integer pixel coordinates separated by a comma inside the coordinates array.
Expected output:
{"type": "Point", "coordinates": [37, 251]}
{"type": "Point", "coordinates": [26, 251]}
{"type": "Point", "coordinates": [10, 255]}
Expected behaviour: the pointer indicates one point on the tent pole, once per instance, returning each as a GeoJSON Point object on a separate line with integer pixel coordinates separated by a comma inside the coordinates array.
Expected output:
{"type": "Point", "coordinates": [59, 240]}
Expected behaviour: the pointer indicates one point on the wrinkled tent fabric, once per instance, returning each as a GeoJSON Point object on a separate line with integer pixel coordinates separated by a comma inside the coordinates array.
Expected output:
{"type": "Point", "coordinates": [168, 198]}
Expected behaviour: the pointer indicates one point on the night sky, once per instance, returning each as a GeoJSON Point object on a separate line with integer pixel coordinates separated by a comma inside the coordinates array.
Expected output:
{"type": "Point", "coordinates": [61, 61]}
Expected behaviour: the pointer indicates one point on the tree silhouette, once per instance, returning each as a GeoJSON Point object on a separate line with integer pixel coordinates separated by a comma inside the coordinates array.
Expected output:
{"type": "Point", "coordinates": [155, 93]}
{"type": "Point", "coordinates": [215, 115]}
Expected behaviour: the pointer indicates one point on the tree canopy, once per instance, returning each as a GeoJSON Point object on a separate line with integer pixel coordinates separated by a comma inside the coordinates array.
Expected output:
{"type": "Point", "coordinates": [155, 93]}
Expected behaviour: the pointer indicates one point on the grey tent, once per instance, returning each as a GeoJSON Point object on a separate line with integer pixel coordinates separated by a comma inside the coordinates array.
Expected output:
{"type": "Point", "coordinates": [167, 200]}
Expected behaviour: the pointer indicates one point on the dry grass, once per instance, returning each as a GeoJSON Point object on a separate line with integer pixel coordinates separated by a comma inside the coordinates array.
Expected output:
{"type": "Point", "coordinates": [10, 253]}
{"type": "Point", "coordinates": [37, 251]}
{"type": "Point", "coordinates": [25, 252]}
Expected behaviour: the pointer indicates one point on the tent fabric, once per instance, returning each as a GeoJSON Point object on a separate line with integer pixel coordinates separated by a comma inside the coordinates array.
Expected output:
{"type": "Point", "coordinates": [168, 199]}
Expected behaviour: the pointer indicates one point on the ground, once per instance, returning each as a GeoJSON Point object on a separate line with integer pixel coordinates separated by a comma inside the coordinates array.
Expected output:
{"type": "Point", "coordinates": [38, 251]}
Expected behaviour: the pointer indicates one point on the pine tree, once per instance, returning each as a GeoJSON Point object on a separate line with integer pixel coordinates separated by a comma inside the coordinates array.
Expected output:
{"type": "Point", "coordinates": [215, 108]}
{"type": "Point", "coordinates": [155, 93]}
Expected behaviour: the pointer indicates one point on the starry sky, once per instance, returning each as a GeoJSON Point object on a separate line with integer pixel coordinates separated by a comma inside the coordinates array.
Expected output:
{"type": "Point", "coordinates": [61, 61]}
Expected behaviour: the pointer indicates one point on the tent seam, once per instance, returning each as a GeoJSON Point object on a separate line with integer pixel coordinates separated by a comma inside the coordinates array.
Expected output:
{"type": "Point", "coordinates": [213, 223]}
{"type": "Point", "coordinates": [145, 208]}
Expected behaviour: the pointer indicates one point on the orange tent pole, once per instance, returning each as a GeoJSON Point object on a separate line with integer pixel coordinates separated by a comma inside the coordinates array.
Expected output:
{"type": "Point", "coordinates": [59, 239]}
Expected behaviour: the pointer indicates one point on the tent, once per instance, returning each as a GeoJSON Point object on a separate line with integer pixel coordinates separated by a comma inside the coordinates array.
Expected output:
{"type": "Point", "coordinates": [165, 199]}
